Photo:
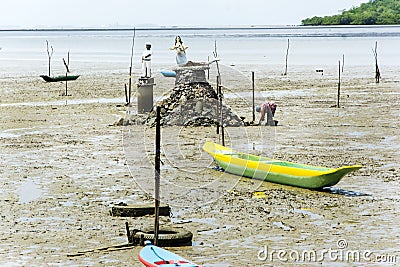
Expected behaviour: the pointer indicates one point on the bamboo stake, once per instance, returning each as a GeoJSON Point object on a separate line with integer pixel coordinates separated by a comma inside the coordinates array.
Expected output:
{"type": "Point", "coordinates": [130, 68]}
{"type": "Point", "coordinates": [208, 70]}
{"type": "Point", "coordinates": [49, 55]}
{"type": "Point", "coordinates": [217, 111]}
{"type": "Point", "coordinates": [66, 84]}
{"type": "Point", "coordinates": [218, 80]}
{"type": "Point", "coordinates": [287, 55]}
{"type": "Point", "coordinates": [126, 95]}
{"type": "Point", "coordinates": [157, 177]}
{"type": "Point", "coordinates": [343, 64]}
{"type": "Point", "coordinates": [377, 71]}
{"type": "Point", "coordinates": [221, 114]}
{"type": "Point", "coordinates": [66, 64]}
{"type": "Point", "coordinates": [338, 92]}
{"type": "Point", "coordinates": [220, 95]}
{"type": "Point", "coordinates": [252, 79]}
{"type": "Point", "coordinates": [128, 232]}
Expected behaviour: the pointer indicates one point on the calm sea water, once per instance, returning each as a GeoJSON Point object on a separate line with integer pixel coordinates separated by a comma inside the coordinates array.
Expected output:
{"type": "Point", "coordinates": [23, 53]}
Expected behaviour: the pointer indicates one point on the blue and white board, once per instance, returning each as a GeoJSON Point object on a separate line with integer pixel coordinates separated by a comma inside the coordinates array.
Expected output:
{"type": "Point", "coordinates": [153, 256]}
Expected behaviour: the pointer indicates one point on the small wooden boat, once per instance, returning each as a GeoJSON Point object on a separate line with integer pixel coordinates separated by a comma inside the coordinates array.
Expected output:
{"type": "Point", "coordinates": [153, 256]}
{"type": "Point", "coordinates": [59, 78]}
{"type": "Point", "coordinates": [276, 171]}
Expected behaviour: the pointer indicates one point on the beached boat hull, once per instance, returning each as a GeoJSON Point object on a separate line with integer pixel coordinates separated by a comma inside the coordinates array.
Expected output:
{"type": "Point", "coordinates": [153, 256]}
{"type": "Point", "coordinates": [271, 170]}
{"type": "Point", "coordinates": [59, 78]}
{"type": "Point", "coordinates": [167, 73]}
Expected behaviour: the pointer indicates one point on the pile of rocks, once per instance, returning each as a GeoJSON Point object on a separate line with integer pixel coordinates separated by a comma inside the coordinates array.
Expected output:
{"type": "Point", "coordinates": [193, 102]}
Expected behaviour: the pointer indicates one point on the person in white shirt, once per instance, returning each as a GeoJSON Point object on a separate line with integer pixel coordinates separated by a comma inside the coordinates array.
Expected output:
{"type": "Point", "coordinates": [146, 61]}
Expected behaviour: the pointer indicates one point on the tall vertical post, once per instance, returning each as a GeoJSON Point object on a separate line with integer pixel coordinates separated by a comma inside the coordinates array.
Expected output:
{"type": "Point", "coordinates": [287, 55]}
{"type": "Point", "coordinates": [157, 176]}
{"type": "Point", "coordinates": [338, 92]}
{"type": "Point", "coordinates": [208, 70]}
{"type": "Point", "coordinates": [129, 87]}
{"type": "Point", "coordinates": [218, 103]}
{"type": "Point", "coordinates": [130, 68]}
{"type": "Point", "coordinates": [66, 64]}
{"type": "Point", "coordinates": [126, 95]}
{"type": "Point", "coordinates": [343, 63]}
{"type": "Point", "coordinates": [377, 71]}
{"type": "Point", "coordinates": [252, 79]}
{"type": "Point", "coordinates": [221, 114]}
{"type": "Point", "coordinates": [49, 54]}
{"type": "Point", "coordinates": [66, 84]}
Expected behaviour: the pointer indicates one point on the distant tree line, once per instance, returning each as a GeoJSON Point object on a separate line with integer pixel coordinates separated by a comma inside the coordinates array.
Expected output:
{"type": "Point", "coordinates": [375, 12]}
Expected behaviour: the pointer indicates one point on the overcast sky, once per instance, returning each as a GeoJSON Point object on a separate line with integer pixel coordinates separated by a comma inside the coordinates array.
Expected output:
{"type": "Point", "coordinates": [99, 13]}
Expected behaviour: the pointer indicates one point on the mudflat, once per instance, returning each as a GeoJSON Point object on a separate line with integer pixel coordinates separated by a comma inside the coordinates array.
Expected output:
{"type": "Point", "coordinates": [64, 164]}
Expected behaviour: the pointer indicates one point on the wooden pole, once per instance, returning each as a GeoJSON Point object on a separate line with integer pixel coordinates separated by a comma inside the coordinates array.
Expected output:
{"type": "Point", "coordinates": [66, 84]}
{"type": "Point", "coordinates": [220, 95]}
{"type": "Point", "coordinates": [208, 69]}
{"type": "Point", "coordinates": [218, 83]}
{"type": "Point", "coordinates": [221, 114]}
{"type": "Point", "coordinates": [49, 55]}
{"type": "Point", "coordinates": [130, 68]}
{"type": "Point", "coordinates": [287, 55]}
{"type": "Point", "coordinates": [218, 103]}
{"type": "Point", "coordinates": [157, 176]}
{"type": "Point", "coordinates": [130, 86]}
{"type": "Point", "coordinates": [66, 64]}
{"type": "Point", "coordinates": [126, 95]}
{"type": "Point", "coordinates": [343, 63]}
{"type": "Point", "coordinates": [377, 71]}
{"type": "Point", "coordinates": [128, 232]}
{"type": "Point", "coordinates": [254, 111]}
{"type": "Point", "coordinates": [338, 92]}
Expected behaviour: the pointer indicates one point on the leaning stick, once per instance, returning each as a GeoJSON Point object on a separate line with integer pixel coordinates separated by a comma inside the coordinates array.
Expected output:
{"type": "Point", "coordinates": [130, 68]}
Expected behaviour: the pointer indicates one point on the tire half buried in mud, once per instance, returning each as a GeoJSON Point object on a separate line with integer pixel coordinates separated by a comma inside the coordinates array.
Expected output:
{"type": "Point", "coordinates": [167, 237]}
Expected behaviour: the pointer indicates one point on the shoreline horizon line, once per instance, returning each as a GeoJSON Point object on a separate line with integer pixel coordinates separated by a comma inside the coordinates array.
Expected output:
{"type": "Point", "coordinates": [183, 28]}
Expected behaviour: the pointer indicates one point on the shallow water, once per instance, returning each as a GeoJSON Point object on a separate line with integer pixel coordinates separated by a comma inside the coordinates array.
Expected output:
{"type": "Point", "coordinates": [29, 191]}
{"type": "Point", "coordinates": [24, 53]}
{"type": "Point", "coordinates": [66, 102]}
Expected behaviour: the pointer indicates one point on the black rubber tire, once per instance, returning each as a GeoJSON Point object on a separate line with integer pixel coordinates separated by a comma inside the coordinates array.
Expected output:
{"type": "Point", "coordinates": [167, 237]}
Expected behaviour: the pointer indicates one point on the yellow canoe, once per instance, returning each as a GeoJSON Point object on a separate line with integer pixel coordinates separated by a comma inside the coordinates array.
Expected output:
{"type": "Point", "coordinates": [276, 171]}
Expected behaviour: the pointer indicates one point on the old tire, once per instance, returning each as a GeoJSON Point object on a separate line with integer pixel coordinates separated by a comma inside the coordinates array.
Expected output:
{"type": "Point", "coordinates": [167, 237]}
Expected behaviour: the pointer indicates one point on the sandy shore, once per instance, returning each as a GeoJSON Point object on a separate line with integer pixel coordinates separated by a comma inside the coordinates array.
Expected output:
{"type": "Point", "coordinates": [64, 165]}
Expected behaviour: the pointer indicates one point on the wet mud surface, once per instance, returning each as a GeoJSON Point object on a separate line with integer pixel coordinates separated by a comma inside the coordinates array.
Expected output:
{"type": "Point", "coordinates": [64, 165]}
